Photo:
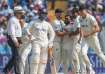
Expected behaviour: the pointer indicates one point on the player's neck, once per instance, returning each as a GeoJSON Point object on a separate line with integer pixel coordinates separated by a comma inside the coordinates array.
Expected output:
{"type": "Point", "coordinates": [18, 17]}
{"type": "Point", "coordinates": [84, 16]}
{"type": "Point", "coordinates": [59, 18]}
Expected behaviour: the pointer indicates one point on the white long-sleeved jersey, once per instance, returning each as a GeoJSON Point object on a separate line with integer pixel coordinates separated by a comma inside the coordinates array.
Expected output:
{"type": "Point", "coordinates": [43, 32]}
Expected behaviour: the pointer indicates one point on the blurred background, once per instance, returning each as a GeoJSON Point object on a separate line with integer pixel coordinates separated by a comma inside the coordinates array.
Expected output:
{"type": "Point", "coordinates": [31, 7]}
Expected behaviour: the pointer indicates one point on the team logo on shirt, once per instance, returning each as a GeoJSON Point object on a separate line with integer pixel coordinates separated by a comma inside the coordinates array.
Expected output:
{"type": "Point", "coordinates": [41, 29]}
{"type": "Point", "coordinates": [82, 25]}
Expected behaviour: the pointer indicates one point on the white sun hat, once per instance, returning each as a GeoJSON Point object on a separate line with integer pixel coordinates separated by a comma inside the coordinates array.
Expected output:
{"type": "Point", "coordinates": [19, 9]}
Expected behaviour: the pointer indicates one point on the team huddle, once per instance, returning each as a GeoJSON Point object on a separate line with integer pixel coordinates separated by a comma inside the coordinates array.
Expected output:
{"type": "Point", "coordinates": [69, 41]}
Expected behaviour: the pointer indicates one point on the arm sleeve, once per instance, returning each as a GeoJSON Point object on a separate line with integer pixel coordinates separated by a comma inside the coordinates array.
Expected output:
{"type": "Point", "coordinates": [51, 36]}
{"type": "Point", "coordinates": [93, 21]}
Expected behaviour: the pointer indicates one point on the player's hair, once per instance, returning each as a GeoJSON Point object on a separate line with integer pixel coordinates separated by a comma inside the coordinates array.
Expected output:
{"type": "Point", "coordinates": [82, 7]}
{"type": "Point", "coordinates": [75, 10]}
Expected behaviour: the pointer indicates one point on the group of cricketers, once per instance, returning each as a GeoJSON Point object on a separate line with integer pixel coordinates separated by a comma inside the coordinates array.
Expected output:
{"type": "Point", "coordinates": [69, 41]}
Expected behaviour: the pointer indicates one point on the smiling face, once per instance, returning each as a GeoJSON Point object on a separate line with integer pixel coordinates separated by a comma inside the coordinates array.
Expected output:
{"type": "Point", "coordinates": [67, 19]}
{"type": "Point", "coordinates": [58, 15]}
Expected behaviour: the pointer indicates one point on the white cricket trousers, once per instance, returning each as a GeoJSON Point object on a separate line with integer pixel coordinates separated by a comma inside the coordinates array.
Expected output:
{"type": "Point", "coordinates": [24, 51]}
{"type": "Point", "coordinates": [76, 55]}
{"type": "Point", "coordinates": [65, 56]}
{"type": "Point", "coordinates": [38, 58]}
{"type": "Point", "coordinates": [93, 43]}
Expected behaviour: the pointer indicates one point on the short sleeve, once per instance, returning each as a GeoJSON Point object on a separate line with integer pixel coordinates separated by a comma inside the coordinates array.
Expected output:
{"type": "Point", "coordinates": [93, 20]}
{"type": "Point", "coordinates": [57, 25]}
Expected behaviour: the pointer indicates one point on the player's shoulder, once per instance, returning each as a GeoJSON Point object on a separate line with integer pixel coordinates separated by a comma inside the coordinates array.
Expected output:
{"type": "Point", "coordinates": [47, 23]}
{"type": "Point", "coordinates": [55, 21]}
{"type": "Point", "coordinates": [58, 22]}
{"type": "Point", "coordinates": [89, 16]}
{"type": "Point", "coordinates": [35, 22]}
{"type": "Point", "coordinates": [13, 18]}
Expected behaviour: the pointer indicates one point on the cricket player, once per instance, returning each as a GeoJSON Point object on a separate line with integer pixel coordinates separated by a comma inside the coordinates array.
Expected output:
{"type": "Point", "coordinates": [58, 26]}
{"type": "Point", "coordinates": [65, 41]}
{"type": "Point", "coordinates": [44, 34]}
{"type": "Point", "coordinates": [14, 40]}
{"type": "Point", "coordinates": [76, 37]}
{"type": "Point", "coordinates": [70, 43]}
{"type": "Point", "coordinates": [89, 29]}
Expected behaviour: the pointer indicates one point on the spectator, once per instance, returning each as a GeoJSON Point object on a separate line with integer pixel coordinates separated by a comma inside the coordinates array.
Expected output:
{"type": "Point", "coordinates": [41, 3]}
{"type": "Point", "coordinates": [72, 3]}
{"type": "Point", "coordinates": [10, 12]}
{"type": "Point", "coordinates": [16, 3]}
{"type": "Point", "coordinates": [3, 23]}
{"type": "Point", "coordinates": [82, 1]}
{"type": "Point", "coordinates": [3, 39]}
{"type": "Point", "coordinates": [53, 4]}
{"type": "Point", "coordinates": [4, 7]}
{"type": "Point", "coordinates": [30, 16]}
